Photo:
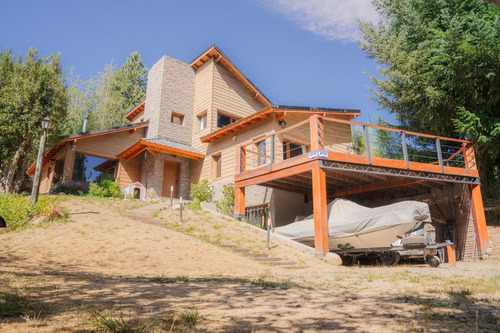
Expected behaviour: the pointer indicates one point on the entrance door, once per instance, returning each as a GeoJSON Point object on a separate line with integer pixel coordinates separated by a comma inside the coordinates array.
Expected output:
{"type": "Point", "coordinates": [170, 178]}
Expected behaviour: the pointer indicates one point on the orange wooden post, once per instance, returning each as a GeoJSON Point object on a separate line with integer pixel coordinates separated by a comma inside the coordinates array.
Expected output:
{"type": "Point", "coordinates": [452, 259]}
{"type": "Point", "coordinates": [320, 212]}
{"type": "Point", "coordinates": [479, 219]}
{"type": "Point", "coordinates": [239, 202]}
{"type": "Point", "coordinates": [317, 133]}
{"type": "Point", "coordinates": [469, 156]}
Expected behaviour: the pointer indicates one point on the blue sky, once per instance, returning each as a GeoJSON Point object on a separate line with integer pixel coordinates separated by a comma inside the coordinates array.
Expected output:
{"type": "Point", "coordinates": [298, 52]}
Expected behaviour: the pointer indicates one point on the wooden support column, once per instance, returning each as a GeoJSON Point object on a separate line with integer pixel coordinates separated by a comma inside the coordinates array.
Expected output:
{"type": "Point", "coordinates": [239, 202]}
{"type": "Point", "coordinates": [69, 161]}
{"type": "Point", "coordinates": [479, 219]}
{"type": "Point", "coordinates": [317, 133]}
{"type": "Point", "coordinates": [320, 212]}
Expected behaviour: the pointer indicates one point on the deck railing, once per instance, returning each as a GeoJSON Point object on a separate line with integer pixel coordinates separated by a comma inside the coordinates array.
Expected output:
{"type": "Point", "coordinates": [353, 138]}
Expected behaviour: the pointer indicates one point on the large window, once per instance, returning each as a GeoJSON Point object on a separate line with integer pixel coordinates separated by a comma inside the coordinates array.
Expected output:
{"type": "Point", "coordinates": [216, 166]}
{"type": "Point", "coordinates": [261, 150]}
{"type": "Point", "coordinates": [292, 149]}
{"type": "Point", "coordinates": [89, 169]}
{"type": "Point", "coordinates": [224, 120]}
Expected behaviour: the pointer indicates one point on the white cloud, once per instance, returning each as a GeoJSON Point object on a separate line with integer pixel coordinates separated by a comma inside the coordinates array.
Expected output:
{"type": "Point", "coordinates": [332, 19]}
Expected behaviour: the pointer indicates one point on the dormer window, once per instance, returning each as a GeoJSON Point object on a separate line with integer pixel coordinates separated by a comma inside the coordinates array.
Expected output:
{"type": "Point", "coordinates": [177, 119]}
{"type": "Point", "coordinates": [224, 120]}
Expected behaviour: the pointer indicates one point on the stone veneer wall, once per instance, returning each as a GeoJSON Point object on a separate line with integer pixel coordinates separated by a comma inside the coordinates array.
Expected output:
{"type": "Point", "coordinates": [170, 89]}
{"type": "Point", "coordinates": [465, 232]}
{"type": "Point", "coordinates": [254, 195]}
{"type": "Point", "coordinates": [152, 174]}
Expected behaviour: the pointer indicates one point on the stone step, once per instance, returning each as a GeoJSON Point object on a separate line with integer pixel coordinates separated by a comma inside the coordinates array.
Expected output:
{"type": "Point", "coordinates": [258, 255]}
{"type": "Point", "coordinates": [495, 252]}
{"type": "Point", "coordinates": [241, 250]}
{"type": "Point", "coordinates": [295, 267]}
{"type": "Point", "coordinates": [283, 263]}
{"type": "Point", "coordinates": [267, 259]}
{"type": "Point", "coordinates": [495, 237]}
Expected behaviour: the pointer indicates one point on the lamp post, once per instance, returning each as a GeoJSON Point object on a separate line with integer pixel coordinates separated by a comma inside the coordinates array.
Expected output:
{"type": "Point", "coordinates": [46, 124]}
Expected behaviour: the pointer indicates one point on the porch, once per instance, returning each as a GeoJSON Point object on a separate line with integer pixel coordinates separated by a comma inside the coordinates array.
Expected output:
{"type": "Point", "coordinates": [325, 158]}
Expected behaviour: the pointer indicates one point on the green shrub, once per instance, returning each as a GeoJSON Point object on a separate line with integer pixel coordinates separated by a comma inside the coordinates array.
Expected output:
{"type": "Point", "coordinates": [69, 188]}
{"type": "Point", "coordinates": [226, 204]}
{"type": "Point", "coordinates": [15, 209]}
{"type": "Point", "coordinates": [202, 192]}
{"type": "Point", "coordinates": [105, 189]}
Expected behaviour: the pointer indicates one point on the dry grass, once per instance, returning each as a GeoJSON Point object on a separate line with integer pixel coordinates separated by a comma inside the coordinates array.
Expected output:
{"type": "Point", "coordinates": [106, 269]}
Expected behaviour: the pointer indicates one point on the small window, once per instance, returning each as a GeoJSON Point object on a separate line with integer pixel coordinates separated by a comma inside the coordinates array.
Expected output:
{"type": "Point", "coordinates": [177, 119]}
{"type": "Point", "coordinates": [202, 120]}
{"type": "Point", "coordinates": [216, 166]}
{"type": "Point", "coordinates": [223, 120]}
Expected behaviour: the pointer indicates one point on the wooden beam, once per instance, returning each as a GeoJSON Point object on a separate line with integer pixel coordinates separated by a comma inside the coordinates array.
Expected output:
{"type": "Point", "coordinates": [270, 176]}
{"type": "Point", "coordinates": [479, 219]}
{"type": "Point", "coordinates": [321, 245]}
{"type": "Point", "coordinates": [375, 187]}
{"type": "Point", "coordinates": [154, 153]}
{"type": "Point", "coordinates": [137, 152]}
{"type": "Point", "coordinates": [239, 202]}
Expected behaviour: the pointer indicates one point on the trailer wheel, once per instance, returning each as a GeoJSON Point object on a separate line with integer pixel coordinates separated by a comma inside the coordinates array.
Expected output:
{"type": "Point", "coordinates": [389, 258]}
{"type": "Point", "coordinates": [433, 261]}
{"type": "Point", "coordinates": [348, 260]}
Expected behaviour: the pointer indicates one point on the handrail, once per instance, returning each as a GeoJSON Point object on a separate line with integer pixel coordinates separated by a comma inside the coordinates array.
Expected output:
{"type": "Point", "coordinates": [394, 130]}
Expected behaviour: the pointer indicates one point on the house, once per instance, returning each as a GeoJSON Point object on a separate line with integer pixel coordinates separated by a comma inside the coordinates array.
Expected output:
{"type": "Point", "coordinates": [207, 120]}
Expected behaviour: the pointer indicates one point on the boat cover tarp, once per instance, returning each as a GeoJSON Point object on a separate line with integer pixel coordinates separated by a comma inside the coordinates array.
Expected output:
{"type": "Point", "coordinates": [346, 218]}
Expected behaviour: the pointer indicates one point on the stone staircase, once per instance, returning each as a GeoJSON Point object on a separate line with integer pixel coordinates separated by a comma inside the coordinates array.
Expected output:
{"type": "Point", "coordinates": [494, 236]}
{"type": "Point", "coordinates": [145, 215]}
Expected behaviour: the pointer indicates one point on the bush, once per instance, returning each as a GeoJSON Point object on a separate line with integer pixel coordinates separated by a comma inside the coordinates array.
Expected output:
{"type": "Point", "coordinates": [202, 192]}
{"type": "Point", "coordinates": [226, 204]}
{"type": "Point", "coordinates": [69, 188]}
{"type": "Point", "coordinates": [15, 209]}
{"type": "Point", "coordinates": [105, 189]}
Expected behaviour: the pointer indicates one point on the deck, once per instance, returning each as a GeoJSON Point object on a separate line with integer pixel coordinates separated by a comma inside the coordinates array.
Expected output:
{"type": "Point", "coordinates": [326, 158]}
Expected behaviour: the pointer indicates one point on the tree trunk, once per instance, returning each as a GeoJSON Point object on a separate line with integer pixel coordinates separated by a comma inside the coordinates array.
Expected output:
{"type": "Point", "coordinates": [21, 169]}
{"type": "Point", "coordinates": [8, 177]}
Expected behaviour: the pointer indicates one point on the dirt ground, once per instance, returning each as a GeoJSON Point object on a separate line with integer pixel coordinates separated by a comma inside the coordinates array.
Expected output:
{"type": "Point", "coordinates": [149, 268]}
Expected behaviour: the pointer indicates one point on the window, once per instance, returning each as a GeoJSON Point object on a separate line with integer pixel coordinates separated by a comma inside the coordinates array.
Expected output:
{"type": "Point", "coordinates": [223, 120]}
{"type": "Point", "coordinates": [261, 150]}
{"type": "Point", "coordinates": [202, 120]}
{"type": "Point", "coordinates": [291, 150]}
{"type": "Point", "coordinates": [177, 119]}
{"type": "Point", "coordinates": [216, 166]}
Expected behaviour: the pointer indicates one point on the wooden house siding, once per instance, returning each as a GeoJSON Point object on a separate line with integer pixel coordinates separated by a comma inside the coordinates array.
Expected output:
{"type": "Point", "coordinates": [231, 97]}
{"type": "Point", "coordinates": [138, 118]}
{"type": "Point", "coordinates": [108, 145]}
{"type": "Point", "coordinates": [129, 171]}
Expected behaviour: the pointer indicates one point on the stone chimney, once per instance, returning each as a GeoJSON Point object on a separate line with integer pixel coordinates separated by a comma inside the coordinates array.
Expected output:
{"type": "Point", "coordinates": [170, 91]}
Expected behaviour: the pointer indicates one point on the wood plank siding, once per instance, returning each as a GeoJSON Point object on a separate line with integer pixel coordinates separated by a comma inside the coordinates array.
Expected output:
{"type": "Point", "coordinates": [129, 171]}
{"type": "Point", "coordinates": [217, 90]}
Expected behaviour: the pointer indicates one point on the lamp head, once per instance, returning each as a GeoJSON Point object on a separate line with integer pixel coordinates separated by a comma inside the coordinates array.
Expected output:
{"type": "Point", "coordinates": [46, 123]}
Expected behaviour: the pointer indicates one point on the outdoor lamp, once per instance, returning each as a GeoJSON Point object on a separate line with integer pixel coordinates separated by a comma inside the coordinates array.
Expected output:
{"type": "Point", "coordinates": [46, 123]}
{"type": "Point", "coordinates": [282, 123]}
{"type": "Point", "coordinates": [73, 148]}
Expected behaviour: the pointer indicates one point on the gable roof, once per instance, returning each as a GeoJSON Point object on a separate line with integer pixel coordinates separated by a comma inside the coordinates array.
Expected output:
{"type": "Point", "coordinates": [281, 110]}
{"type": "Point", "coordinates": [135, 110]}
{"type": "Point", "coordinates": [214, 52]}
{"type": "Point", "coordinates": [52, 152]}
{"type": "Point", "coordinates": [160, 145]}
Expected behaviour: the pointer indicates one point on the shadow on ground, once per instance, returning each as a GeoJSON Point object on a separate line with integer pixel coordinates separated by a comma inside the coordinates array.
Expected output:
{"type": "Point", "coordinates": [239, 305]}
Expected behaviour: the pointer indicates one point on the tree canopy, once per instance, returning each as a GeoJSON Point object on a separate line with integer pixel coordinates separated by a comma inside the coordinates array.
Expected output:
{"type": "Point", "coordinates": [29, 91]}
{"type": "Point", "coordinates": [108, 96]}
{"type": "Point", "coordinates": [439, 70]}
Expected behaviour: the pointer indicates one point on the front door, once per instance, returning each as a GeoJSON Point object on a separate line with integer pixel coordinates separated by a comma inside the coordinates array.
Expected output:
{"type": "Point", "coordinates": [170, 178]}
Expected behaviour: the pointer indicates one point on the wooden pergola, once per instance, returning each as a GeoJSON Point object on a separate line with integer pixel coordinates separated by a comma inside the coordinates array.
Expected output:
{"type": "Point", "coordinates": [324, 174]}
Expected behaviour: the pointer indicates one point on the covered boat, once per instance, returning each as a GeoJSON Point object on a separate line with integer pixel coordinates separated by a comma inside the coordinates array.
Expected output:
{"type": "Point", "coordinates": [354, 226]}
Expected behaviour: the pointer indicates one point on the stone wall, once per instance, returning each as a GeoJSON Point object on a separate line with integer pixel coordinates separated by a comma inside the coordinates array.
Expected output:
{"type": "Point", "coordinates": [170, 90]}
{"type": "Point", "coordinates": [152, 174]}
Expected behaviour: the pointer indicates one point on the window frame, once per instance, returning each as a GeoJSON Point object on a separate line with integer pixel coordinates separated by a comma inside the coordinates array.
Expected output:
{"type": "Point", "coordinates": [216, 166]}
{"type": "Point", "coordinates": [200, 117]}
{"type": "Point", "coordinates": [232, 119]}
{"type": "Point", "coordinates": [180, 116]}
